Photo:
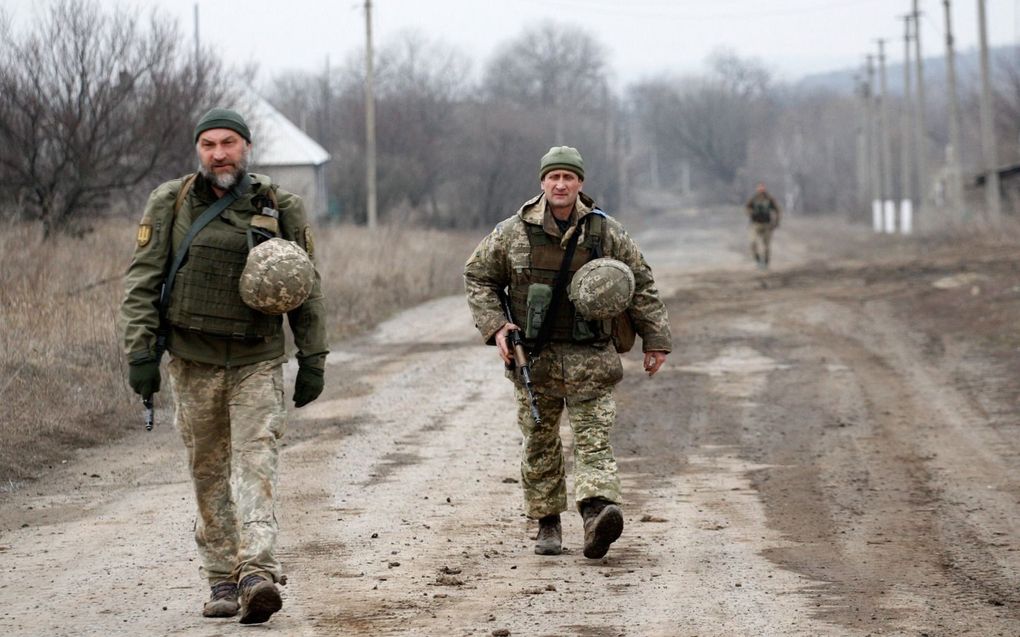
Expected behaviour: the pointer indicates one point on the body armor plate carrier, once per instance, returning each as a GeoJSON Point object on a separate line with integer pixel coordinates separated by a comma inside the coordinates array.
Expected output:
{"type": "Point", "coordinates": [545, 260]}
{"type": "Point", "coordinates": [205, 296]}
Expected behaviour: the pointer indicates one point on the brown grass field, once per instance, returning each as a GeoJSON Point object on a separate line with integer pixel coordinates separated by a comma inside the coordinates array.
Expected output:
{"type": "Point", "coordinates": [62, 372]}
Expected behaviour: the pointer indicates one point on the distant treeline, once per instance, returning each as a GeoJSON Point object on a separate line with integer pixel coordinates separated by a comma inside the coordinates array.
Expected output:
{"type": "Point", "coordinates": [95, 107]}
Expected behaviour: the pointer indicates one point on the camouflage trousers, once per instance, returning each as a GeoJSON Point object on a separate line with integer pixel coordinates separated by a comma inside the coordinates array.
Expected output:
{"type": "Point", "coordinates": [231, 419]}
{"type": "Point", "coordinates": [761, 240]}
{"type": "Point", "coordinates": [542, 471]}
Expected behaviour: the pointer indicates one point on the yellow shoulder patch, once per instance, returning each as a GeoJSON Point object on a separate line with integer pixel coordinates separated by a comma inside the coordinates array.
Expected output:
{"type": "Point", "coordinates": [144, 234]}
{"type": "Point", "coordinates": [309, 245]}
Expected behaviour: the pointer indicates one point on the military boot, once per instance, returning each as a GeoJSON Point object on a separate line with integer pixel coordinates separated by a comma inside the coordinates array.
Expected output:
{"type": "Point", "coordinates": [222, 601]}
{"type": "Point", "coordinates": [550, 536]}
{"type": "Point", "coordinates": [259, 599]}
{"type": "Point", "coordinates": [603, 524]}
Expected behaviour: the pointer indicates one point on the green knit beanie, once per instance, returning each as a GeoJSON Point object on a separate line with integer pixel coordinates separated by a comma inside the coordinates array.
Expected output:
{"type": "Point", "coordinates": [562, 158]}
{"type": "Point", "coordinates": [223, 118]}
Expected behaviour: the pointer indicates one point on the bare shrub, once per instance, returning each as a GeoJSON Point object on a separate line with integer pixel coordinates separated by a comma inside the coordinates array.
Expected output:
{"type": "Point", "coordinates": [93, 104]}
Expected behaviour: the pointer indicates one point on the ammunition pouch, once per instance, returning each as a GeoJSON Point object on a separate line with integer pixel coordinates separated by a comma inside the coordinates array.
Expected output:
{"type": "Point", "coordinates": [539, 300]}
{"type": "Point", "coordinates": [531, 287]}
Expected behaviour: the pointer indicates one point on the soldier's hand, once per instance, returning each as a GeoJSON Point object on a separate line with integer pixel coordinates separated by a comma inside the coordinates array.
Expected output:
{"type": "Point", "coordinates": [501, 342]}
{"type": "Point", "coordinates": [308, 384]}
{"type": "Point", "coordinates": [144, 378]}
{"type": "Point", "coordinates": [653, 361]}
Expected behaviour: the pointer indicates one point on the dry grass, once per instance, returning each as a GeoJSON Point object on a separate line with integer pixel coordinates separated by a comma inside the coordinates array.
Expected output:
{"type": "Point", "coordinates": [62, 374]}
{"type": "Point", "coordinates": [367, 276]}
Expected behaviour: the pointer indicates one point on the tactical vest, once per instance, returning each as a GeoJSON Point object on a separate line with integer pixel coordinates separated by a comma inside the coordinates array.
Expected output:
{"type": "Point", "coordinates": [205, 295]}
{"type": "Point", "coordinates": [761, 210]}
{"type": "Point", "coordinates": [545, 260]}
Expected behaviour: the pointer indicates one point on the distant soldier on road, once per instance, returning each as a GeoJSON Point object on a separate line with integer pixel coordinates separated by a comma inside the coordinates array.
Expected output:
{"type": "Point", "coordinates": [763, 212]}
{"type": "Point", "coordinates": [248, 249]}
{"type": "Point", "coordinates": [564, 307]}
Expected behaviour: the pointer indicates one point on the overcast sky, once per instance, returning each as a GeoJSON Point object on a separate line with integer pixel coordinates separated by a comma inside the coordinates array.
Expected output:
{"type": "Point", "coordinates": [643, 37]}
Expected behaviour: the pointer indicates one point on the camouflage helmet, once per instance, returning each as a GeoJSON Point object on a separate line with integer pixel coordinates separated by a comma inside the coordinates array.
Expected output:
{"type": "Point", "coordinates": [602, 289]}
{"type": "Point", "coordinates": [277, 277]}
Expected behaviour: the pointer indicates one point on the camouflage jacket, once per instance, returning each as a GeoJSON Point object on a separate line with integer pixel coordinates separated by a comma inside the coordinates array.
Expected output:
{"type": "Point", "coordinates": [563, 369]}
{"type": "Point", "coordinates": [161, 231]}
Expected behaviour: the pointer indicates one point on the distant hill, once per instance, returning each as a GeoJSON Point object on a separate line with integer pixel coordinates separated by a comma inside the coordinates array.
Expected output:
{"type": "Point", "coordinates": [967, 71]}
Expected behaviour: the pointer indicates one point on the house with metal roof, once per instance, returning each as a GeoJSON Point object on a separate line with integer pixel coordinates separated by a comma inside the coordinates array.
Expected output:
{"type": "Point", "coordinates": [291, 158]}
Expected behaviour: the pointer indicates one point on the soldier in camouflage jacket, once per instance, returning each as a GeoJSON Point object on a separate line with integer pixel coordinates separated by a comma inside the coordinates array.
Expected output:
{"type": "Point", "coordinates": [226, 358]}
{"type": "Point", "coordinates": [571, 372]}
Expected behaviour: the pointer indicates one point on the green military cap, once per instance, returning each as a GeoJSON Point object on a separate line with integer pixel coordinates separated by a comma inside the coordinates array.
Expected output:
{"type": "Point", "coordinates": [223, 118]}
{"type": "Point", "coordinates": [562, 158]}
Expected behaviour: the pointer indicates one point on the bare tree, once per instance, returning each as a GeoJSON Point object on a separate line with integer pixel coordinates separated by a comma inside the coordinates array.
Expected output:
{"type": "Point", "coordinates": [708, 119]}
{"type": "Point", "coordinates": [1007, 106]}
{"type": "Point", "coordinates": [92, 103]}
{"type": "Point", "coordinates": [557, 68]}
{"type": "Point", "coordinates": [420, 84]}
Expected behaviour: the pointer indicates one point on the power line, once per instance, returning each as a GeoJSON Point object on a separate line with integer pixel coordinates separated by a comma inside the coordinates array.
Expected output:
{"type": "Point", "coordinates": [654, 11]}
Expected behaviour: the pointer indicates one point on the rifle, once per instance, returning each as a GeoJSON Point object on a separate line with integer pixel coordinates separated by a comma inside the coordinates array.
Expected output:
{"type": "Point", "coordinates": [520, 360]}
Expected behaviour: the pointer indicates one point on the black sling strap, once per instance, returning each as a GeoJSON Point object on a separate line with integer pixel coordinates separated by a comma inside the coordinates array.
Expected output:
{"type": "Point", "coordinates": [203, 220]}
{"type": "Point", "coordinates": [559, 286]}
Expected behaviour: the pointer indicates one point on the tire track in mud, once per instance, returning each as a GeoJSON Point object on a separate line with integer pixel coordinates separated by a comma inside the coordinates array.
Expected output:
{"type": "Point", "coordinates": [867, 448]}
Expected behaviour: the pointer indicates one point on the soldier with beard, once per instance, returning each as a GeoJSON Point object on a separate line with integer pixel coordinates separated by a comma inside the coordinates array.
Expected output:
{"type": "Point", "coordinates": [226, 357]}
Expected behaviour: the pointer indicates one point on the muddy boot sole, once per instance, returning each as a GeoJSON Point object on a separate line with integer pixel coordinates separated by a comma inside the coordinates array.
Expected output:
{"type": "Point", "coordinates": [603, 530]}
{"type": "Point", "coordinates": [262, 603]}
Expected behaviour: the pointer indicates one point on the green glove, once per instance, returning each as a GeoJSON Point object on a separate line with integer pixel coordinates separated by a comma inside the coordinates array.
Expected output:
{"type": "Point", "coordinates": [143, 376]}
{"type": "Point", "coordinates": [308, 385]}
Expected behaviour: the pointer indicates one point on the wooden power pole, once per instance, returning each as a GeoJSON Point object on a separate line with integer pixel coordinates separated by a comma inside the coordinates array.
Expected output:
{"type": "Point", "coordinates": [920, 135]}
{"type": "Point", "coordinates": [906, 192]}
{"type": "Point", "coordinates": [889, 208]}
{"type": "Point", "coordinates": [874, 155]}
{"type": "Point", "coordinates": [989, 153]}
{"type": "Point", "coordinates": [370, 181]}
{"type": "Point", "coordinates": [955, 175]}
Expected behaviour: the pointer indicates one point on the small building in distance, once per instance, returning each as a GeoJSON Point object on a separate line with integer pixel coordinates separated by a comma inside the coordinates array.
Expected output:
{"type": "Point", "coordinates": [1009, 189]}
{"type": "Point", "coordinates": [291, 158]}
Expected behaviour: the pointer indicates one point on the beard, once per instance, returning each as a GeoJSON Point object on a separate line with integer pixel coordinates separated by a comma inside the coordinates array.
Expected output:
{"type": "Point", "coordinates": [227, 180]}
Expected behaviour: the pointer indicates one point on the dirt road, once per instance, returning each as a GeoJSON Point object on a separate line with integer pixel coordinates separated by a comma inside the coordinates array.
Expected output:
{"type": "Point", "coordinates": [832, 449]}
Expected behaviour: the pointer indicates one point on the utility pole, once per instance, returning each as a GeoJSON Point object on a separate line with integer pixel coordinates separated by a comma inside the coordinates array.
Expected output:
{"type": "Point", "coordinates": [324, 120]}
{"type": "Point", "coordinates": [874, 155]}
{"type": "Point", "coordinates": [920, 137]}
{"type": "Point", "coordinates": [955, 175]}
{"type": "Point", "coordinates": [989, 153]}
{"type": "Point", "coordinates": [370, 184]}
{"type": "Point", "coordinates": [906, 194]}
{"type": "Point", "coordinates": [612, 155]}
{"type": "Point", "coordinates": [888, 206]}
{"type": "Point", "coordinates": [861, 163]}
{"type": "Point", "coordinates": [198, 63]}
